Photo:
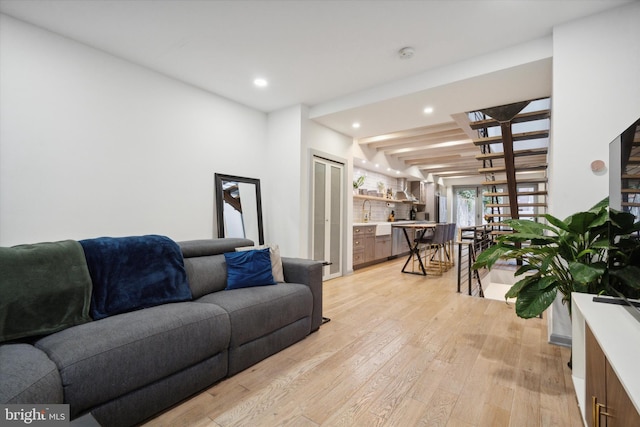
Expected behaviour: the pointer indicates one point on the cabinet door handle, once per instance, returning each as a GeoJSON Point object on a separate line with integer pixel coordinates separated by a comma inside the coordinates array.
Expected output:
{"type": "Point", "coordinates": [597, 411]}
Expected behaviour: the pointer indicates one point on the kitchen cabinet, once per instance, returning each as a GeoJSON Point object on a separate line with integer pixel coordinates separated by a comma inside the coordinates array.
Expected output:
{"type": "Point", "coordinates": [383, 247]}
{"type": "Point", "coordinates": [364, 240]}
{"type": "Point", "coordinates": [605, 397]}
{"type": "Point", "coordinates": [605, 345]}
{"type": "Point", "coordinates": [368, 246]}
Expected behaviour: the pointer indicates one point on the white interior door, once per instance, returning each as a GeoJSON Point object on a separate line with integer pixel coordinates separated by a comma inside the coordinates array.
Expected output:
{"type": "Point", "coordinates": [326, 240]}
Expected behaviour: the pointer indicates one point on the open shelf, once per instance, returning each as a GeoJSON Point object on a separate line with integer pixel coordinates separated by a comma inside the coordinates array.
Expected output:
{"type": "Point", "coordinates": [381, 199]}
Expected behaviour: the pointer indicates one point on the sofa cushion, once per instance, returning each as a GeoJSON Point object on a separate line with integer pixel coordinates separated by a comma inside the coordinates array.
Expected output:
{"type": "Point", "coordinates": [206, 274]}
{"type": "Point", "coordinates": [102, 360]}
{"type": "Point", "coordinates": [207, 247]}
{"type": "Point", "coordinates": [276, 259]}
{"type": "Point", "coordinates": [259, 311]}
{"type": "Point", "coordinates": [27, 376]}
{"type": "Point", "coordinates": [130, 273]}
{"type": "Point", "coordinates": [249, 268]}
{"type": "Point", "coordinates": [44, 287]}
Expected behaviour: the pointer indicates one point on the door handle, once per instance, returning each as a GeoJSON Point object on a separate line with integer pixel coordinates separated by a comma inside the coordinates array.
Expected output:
{"type": "Point", "coordinates": [597, 411]}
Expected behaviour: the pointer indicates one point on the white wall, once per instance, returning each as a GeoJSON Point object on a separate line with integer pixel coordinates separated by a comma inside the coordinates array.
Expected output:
{"type": "Point", "coordinates": [596, 95]}
{"type": "Point", "coordinates": [290, 138]}
{"type": "Point", "coordinates": [283, 220]}
{"type": "Point", "coordinates": [92, 145]}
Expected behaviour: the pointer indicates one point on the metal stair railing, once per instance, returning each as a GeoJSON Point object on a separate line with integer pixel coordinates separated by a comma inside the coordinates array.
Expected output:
{"type": "Point", "coordinates": [473, 240]}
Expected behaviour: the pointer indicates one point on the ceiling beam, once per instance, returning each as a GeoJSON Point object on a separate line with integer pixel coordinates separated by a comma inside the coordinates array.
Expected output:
{"type": "Point", "coordinates": [409, 132]}
{"type": "Point", "coordinates": [416, 140]}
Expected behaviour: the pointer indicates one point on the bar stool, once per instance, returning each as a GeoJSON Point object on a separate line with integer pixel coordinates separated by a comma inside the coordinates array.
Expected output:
{"type": "Point", "coordinates": [449, 246]}
{"type": "Point", "coordinates": [434, 248]}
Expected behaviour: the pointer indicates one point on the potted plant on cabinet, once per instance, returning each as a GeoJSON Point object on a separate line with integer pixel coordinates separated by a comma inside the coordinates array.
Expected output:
{"type": "Point", "coordinates": [357, 183]}
{"type": "Point", "coordinates": [590, 252]}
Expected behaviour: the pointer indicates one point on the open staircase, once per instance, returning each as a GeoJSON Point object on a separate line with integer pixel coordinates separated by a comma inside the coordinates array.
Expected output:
{"type": "Point", "coordinates": [514, 141]}
{"type": "Point", "coordinates": [630, 167]}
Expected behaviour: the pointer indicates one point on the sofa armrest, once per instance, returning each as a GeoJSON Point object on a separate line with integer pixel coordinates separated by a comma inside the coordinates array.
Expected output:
{"type": "Point", "coordinates": [306, 272]}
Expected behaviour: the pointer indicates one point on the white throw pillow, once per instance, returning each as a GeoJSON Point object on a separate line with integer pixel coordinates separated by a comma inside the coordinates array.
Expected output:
{"type": "Point", "coordinates": [276, 261]}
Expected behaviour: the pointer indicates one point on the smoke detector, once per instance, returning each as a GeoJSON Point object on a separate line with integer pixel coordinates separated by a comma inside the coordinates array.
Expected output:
{"type": "Point", "coordinates": [406, 53]}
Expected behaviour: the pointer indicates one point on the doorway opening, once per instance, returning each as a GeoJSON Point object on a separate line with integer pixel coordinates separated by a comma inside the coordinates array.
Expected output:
{"type": "Point", "coordinates": [328, 213]}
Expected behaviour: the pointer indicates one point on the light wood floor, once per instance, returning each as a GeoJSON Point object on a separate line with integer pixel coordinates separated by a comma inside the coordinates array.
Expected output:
{"type": "Point", "coordinates": [400, 350]}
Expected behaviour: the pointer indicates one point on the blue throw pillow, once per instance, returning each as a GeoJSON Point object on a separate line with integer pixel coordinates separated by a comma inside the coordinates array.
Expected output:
{"type": "Point", "coordinates": [249, 268]}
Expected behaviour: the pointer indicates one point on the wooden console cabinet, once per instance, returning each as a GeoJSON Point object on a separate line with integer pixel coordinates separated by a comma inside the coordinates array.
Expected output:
{"type": "Point", "coordinates": [605, 353]}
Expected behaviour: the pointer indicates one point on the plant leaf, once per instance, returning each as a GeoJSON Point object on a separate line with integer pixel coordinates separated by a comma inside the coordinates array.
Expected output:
{"type": "Point", "coordinates": [629, 275]}
{"type": "Point", "coordinates": [533, 300]}
{"type": "Point", "coordinates": [585, 273]}
{"type": "Point", "coordinates": [489, 257]}
{"type": "Point", "coordinates": [580, 222]}
{"type": "Point", "coordinates": [556, 221]}
{"type": "Point", "coordinates": [529, 227]}
{"type": "Point", "coordinates": [517, 287]}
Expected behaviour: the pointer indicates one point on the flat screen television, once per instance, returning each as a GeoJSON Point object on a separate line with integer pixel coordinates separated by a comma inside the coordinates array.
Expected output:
{"type": "Point", "coordinates": [624, 191]}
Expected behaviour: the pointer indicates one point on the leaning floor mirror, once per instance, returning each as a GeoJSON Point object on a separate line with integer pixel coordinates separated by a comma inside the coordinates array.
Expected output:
{"type": "Point", "coordinates": [239, 207]}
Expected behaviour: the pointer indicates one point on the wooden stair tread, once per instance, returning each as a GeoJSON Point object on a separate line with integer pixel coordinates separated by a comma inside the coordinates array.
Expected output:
{"type": "Point", "coordinates": [630, 176]}
{"type": "Point", "coordinates": [523, 168]}
{"type": "Point", "coordinates": [631, 190]}
{"type": "Point", "coordinates": [501, 232]}
{"type": "Point", "coordinates": [520, 193]}
{"type": "Point", "coordinates": [523, 136]}
{"type": "Point", "coordinates": [520, 118]}
{"type": "Point", "coordinates": [520, 181]}
{"type": "Point", "coordinates": [507, 215]}
{"type": "Point", "coordinates": [520, 205]}
{"type": "Point", "coordinates": [516, 153]}
{"type": "Point", "coordinates": [634, 159]}
{"type": "Point", "coordinates": [630, 204]}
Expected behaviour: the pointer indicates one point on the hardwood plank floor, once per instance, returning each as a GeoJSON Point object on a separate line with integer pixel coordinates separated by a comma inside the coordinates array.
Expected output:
{"type": "Point", "coordinates": [400, 350]}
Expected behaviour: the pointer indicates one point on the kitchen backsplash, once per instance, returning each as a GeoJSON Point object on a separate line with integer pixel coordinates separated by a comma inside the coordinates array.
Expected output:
{"type": "Point", "coordinates": [379, 209]}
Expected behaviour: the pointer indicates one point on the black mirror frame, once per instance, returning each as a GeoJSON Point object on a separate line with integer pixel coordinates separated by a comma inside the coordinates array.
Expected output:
{"type": "Point", "coordinates": [219, 179]}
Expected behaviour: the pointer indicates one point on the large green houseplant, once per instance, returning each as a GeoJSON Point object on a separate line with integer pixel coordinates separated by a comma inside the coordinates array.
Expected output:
{"type": "Point", "coordinates": [592, 252]}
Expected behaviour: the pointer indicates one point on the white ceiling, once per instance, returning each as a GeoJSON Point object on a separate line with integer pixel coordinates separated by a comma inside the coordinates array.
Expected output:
{"type": "Point", "coordinates": [337, 57]}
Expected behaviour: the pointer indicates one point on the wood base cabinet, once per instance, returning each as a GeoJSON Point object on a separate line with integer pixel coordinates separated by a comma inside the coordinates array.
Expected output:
{"type": "Point", "coordinates": [383, 247]}
{"type": "Point", "coordinates": [368, 248]}
{"type": "Point", "coordinates": [364, 244]}
{"type": "Point", "coordinates": [607, 402]}
{"type": "Point", "coordinates": [605, 354]}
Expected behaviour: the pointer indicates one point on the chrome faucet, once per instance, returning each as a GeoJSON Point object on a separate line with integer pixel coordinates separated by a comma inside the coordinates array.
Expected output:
{"type": "Point", "coordinates": [366, 216]}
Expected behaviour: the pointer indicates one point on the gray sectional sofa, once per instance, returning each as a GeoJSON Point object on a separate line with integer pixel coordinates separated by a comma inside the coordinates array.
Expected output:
{"type": "Point", "coordinates": [130, 366]}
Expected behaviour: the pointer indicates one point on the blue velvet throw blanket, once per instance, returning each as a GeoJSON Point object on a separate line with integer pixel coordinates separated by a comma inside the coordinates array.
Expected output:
{"type": "Point", "coordinates": [130, 273]}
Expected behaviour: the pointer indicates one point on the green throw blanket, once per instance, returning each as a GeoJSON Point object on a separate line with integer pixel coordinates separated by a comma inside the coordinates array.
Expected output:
{"type": "Point", "coordinates": [44, 288]}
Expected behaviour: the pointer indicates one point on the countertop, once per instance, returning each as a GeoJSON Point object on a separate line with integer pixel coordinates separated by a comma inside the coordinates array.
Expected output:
{"type": "Point", "coordinates": [400, 221]}
{"type": "Point", "coordinates": [617, 331]}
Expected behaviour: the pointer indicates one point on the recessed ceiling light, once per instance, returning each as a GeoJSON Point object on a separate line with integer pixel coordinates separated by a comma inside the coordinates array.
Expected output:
{"type": "Point", "coordinates": [364, 161]}
{"type": "Point", "coordinates": [428, 110]}
{"type": "Point", "coordinates": [260, 82]}
{"type": "Point", "coordinates": [356, 125]}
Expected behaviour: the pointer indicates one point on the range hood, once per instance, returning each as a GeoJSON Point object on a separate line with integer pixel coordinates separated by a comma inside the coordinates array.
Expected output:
{"type": "Point", "coordinates": [404, 194]}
